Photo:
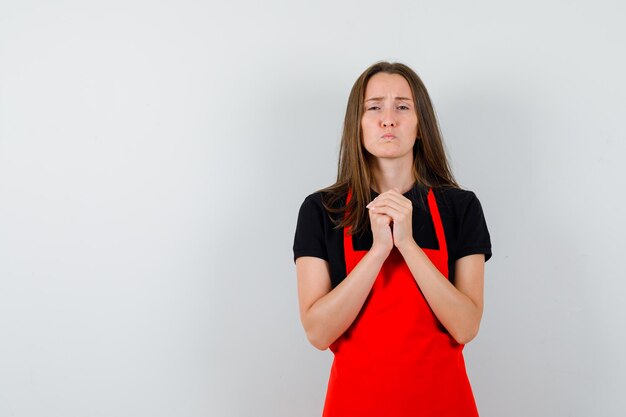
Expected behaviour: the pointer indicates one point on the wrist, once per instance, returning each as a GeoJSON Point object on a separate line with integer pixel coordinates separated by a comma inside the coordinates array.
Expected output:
{"type": "Point", "coordinates": [407, 246]}
{"type": "Point", "coordinates": [378, 252]}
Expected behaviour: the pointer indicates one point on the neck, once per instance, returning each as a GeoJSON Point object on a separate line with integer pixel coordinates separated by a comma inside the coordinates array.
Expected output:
{"type": "Point", "coordinates": [400, 179]}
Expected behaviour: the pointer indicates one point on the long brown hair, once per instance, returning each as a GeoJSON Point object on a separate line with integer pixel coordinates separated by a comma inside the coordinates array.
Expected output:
{"type": "Point", "coordinates": [430, 164]}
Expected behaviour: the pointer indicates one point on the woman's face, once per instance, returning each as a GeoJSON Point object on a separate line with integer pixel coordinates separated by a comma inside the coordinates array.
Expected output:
{"type": "Point", "coordinates": [389, 122]}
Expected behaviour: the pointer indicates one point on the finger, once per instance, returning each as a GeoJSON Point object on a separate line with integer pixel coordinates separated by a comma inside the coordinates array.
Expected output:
{"type": "Point", "coordinates": [392, 196]}
{"type": "Point", "coordinates": [388, 210]}
{"type": "Point", "coordinates": [376, 219]}
{"type": "Point", "coordinates": [390, 202]}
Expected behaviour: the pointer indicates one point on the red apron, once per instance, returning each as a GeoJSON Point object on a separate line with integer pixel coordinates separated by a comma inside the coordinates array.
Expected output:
{"type": "Point", "coordinates": [396, 359]}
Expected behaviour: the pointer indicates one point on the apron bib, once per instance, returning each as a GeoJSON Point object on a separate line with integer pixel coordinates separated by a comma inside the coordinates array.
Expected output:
{"type": "Point", "coordinates": [396, 359]}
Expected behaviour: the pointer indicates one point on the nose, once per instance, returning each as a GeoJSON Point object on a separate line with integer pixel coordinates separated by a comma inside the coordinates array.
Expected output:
{"type": "Point", "coordinates": [387, 119]}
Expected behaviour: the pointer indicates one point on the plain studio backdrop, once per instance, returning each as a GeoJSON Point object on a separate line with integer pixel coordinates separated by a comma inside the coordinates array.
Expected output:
{"type": "Point", "coordinates": [154, 155]}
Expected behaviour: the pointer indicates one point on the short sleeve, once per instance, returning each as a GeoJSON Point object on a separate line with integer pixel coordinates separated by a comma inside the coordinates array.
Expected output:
{"type": "Point", "coordinates": [309, 237]}
{"type": "Point", "coordinates": [473, 233]}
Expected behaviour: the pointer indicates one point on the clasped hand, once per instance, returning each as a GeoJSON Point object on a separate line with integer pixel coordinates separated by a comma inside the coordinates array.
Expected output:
{"type": "Point", "coordinates": [391, 217]}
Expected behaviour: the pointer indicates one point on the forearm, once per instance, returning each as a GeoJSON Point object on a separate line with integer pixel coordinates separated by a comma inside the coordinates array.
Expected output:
{"type": "Point", "coordinates": [331, 315]}
{"type": "Point", "coordinates": [455, 310]}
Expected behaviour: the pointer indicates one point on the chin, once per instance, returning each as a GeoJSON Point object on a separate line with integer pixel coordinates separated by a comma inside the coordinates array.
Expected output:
{"type": "Point", "coordinates": [395, 154]}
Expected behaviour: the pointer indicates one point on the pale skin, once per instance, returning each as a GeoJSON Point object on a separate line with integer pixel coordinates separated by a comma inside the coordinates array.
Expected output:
{"type": "Point", "coordinates": [326, 313]}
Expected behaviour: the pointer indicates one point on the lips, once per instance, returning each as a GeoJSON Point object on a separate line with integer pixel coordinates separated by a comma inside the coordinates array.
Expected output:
{"type": "Point", "coordinates": [388, 136]}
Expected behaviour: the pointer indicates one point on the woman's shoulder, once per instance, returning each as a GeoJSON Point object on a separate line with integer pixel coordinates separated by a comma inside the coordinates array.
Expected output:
{"type": "Point", "coordinates": [315, 202]}
{"type": "Point", "coordinates": [315, 198]}
{"type": "Point", "coordinates": [322, 197]}
{"type": "Point", "coordinates": [464, 213]}
{"type": "Point", "coordinates": [456, 194]}
{"type": "Point", "coordinates": [457, 200]}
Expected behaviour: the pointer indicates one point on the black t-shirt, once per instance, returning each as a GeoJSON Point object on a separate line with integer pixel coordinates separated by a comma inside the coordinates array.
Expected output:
{"type": "Point", "coordinates": [461, 214]}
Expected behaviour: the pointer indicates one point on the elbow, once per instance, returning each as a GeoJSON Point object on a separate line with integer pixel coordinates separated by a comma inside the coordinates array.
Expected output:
{"type": "Point", "coordinates": [314, 332]}
{"type": "Point", "coordinates": [464, 339]}
{"type": "Point", "coordinates": [316, 341]}
{"type": "Point", "coordinates": [321, 346]}
{"type": "Point", "coordinates": [466, 335]}
{"type": "Point", "coordinates": [467, 330]}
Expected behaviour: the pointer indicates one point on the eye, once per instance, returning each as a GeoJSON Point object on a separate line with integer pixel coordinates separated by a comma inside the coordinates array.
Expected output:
{"type": "Point", "coordinates": [372, 107]}
{"type": "Point", "coordinates": [403, 107]}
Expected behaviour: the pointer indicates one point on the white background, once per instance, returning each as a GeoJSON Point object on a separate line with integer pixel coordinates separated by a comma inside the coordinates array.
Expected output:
{"type": "Point", "coordinates": [153, 157]}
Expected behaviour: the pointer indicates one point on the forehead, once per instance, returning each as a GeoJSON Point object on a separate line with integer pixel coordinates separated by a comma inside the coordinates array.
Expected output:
{"type": "Point", "coordinates": [384, 84]}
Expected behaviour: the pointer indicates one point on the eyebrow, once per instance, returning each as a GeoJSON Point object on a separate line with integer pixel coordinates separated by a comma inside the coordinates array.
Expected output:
{"type": "Point", "coordinates": [380, 98]}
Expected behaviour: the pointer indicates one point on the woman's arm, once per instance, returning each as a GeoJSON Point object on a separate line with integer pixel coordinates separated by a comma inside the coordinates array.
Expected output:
{"type": "Point", "coordinates": [458, 307]}
{"type": "Point", "coordinates": [326, 314]}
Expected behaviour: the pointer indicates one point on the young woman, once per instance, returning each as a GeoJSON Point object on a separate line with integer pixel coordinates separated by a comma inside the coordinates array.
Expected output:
{"type": "Point", "coordinates": [390, 259]}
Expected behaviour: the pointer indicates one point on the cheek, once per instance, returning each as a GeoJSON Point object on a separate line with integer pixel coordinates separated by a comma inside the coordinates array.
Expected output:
{"type": "Point", "coordinates": [413, 122]}
{"type": "Point", "coordinates": [365, 126]}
